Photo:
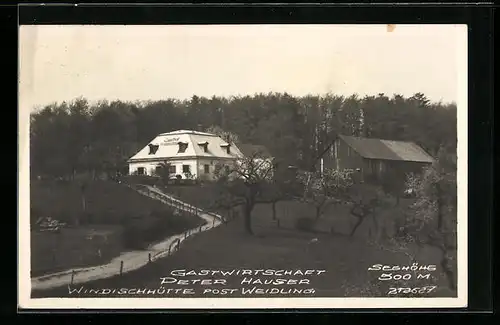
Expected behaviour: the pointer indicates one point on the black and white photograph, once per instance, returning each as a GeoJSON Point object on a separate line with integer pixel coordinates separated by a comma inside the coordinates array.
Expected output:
{"type": "Point", "coordinates": [242, 166]}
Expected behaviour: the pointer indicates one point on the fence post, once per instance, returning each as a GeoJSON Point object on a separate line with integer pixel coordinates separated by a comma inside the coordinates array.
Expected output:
{"type": "Point", "coordinates": [278, 222]}
{"type": "Point", "coordinates": [72, 276]}
{"type": "Point", "coordinates": [213, 222]}
{"type": "Point", "coordinates": [185, 234]}
{"type": "Point", "coordinates": [200, 227]}
{"type": "Point", "coordinates": [121, 267]}
{"type": "Point", "coordinates": [149, 257]}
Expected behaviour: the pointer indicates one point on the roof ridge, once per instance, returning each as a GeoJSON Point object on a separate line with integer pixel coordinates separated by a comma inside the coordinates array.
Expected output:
{"type": "Point", "coordinates": [193, 132]}
{"type": "Point", "coordinates": [379, 139]}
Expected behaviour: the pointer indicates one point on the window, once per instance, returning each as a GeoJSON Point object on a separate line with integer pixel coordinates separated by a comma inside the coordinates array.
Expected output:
{"type": "Point", "coordinates": [172, 169]}
{"type": "Point", "coordinates": [206, 169]}
{"type": "Point", "coordinates": [204, 146]}
{"type": "Point", "coordinates": [140, 171]}
{"type": "Point", "coordinates": [157, 170]}
{"type": "Point", "coordinates": [226, 146]}
{"type": "Point", "coordinates": [182, 147]}
{"type": "Point", "coordinates": [186, 168]}
{"type": "Point", "coordinates": [226, 168]}
{"type": "Point", "coordinates": [153, 148]}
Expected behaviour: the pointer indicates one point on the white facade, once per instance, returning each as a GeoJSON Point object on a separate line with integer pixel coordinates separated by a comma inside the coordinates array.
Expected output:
{"type": "Point", "coordinates": [189, 153]}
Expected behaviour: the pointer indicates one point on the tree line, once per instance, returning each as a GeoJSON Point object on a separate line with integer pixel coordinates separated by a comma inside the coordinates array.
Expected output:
{"type": "Point", "coordinates": [79, 136]}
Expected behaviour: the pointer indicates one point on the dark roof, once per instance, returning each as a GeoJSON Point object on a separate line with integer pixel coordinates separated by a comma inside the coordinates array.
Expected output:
{"type": "Point", "coordinates": [254, 149]}
{"type": "Point", "coordinates": [387, 149]}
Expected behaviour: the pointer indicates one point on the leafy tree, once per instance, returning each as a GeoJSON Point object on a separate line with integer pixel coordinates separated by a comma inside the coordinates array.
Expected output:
{"type": "Point", "coordinates": [227, 136]}
{"type": "Point", "coordinates": [83, 137]}
{"type": "Point", "coordinates": [163, 171]}
{"type": "Point", "coordinates": [322, 190]}
{"type": "Point", "coordinates": [433, 217]}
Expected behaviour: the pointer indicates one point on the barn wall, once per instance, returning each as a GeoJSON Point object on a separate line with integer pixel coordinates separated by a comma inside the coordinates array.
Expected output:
{"type": "Point", "coordinates": [382, 170]}
{"type": "Point", "coordinates": [342, 155]}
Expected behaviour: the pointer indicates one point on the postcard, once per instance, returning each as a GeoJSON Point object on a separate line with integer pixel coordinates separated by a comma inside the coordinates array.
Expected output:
{"type": "Point", "coordinates": [242, 166]}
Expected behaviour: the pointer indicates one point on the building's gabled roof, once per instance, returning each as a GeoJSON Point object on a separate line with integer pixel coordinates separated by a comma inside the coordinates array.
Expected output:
{"type": "Point", "coordinates": [387, 149]}
{"type": "Point", "coordinates": [249, 150]}
{"type": "Point", "coordinates": [166, 145]}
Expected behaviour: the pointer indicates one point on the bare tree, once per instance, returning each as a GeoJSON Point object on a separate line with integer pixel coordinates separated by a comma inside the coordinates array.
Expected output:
{"type": "Point", "coordinates": [246, 180]}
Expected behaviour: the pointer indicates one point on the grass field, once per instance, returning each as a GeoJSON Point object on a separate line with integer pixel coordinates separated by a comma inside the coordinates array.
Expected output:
{"type": "Point", "coordinates": [74, 247]}
{"type": "Point", "coordinates": [110, 210]}
{"type": "Point", "coordinates": [106, 202]}
{"type": "Point", "coordinates": [345, 259]}
{"type": "Point", "coordinates": [336, 219]}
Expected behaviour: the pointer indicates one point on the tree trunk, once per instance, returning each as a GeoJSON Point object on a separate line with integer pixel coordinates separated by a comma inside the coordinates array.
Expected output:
{"type": "Point", "coordinates": [84, 203]}
{"type": "Point", "coordinates": [376, 227]}
{"type": "Point", "coordinates": [356, 226]}
{"type": "Point", "coordinates": [248, 217]}
{"type": "Point", "coordinates": [440, 224]}
{"type": "Point", "coordinates": [361, 216]}
{"type": "Point", "coordinates": [450, 276]}
{"type": "Point", "coordinates": [318, 212]}
{"type": "Point", "coordinates": [273, 206]}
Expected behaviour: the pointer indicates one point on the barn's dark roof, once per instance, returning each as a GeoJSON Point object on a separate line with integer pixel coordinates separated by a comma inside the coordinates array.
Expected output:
{"type": "Point", "coordinates": [253, 149]}
{"type": "Point", "coordinates": [387, 149]}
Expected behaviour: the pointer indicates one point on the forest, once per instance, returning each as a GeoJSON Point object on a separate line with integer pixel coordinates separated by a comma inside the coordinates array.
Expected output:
{"type": "Point", "coordinates": [80, 136]}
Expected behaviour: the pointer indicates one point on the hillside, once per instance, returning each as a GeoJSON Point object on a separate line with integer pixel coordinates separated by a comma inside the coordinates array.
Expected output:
{"type": "Point", "coordinates": [113, 212]}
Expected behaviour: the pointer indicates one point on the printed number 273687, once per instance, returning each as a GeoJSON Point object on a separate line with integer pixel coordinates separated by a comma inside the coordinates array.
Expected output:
{"type": "Point", "coordinates": [422, 290]}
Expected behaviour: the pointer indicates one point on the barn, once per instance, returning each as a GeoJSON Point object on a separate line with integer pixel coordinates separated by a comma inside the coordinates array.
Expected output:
{"type": "Point", "coordinates": [189, 154]}
{"type": "Point", "coordinates": [374, 159]}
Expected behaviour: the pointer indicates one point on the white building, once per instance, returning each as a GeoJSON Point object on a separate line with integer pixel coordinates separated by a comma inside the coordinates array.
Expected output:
{"type": "Point", "coordinates": [188, 153]}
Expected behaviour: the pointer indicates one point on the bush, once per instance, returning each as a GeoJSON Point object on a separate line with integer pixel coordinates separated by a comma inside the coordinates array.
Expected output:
{"type": "Point", "coordinates": [141, 179]}
{"type": "Point", "coordinates": [140, 232]}
{"type": "Point", "coordinates": [304, 224]}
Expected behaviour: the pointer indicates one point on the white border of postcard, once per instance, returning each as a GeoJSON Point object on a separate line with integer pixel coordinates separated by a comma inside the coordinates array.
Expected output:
{"type": "Point", "coordinates": [24, 286]}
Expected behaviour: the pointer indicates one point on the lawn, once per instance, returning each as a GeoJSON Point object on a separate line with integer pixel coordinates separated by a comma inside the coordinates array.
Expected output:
{"type": "Point", "coordinates": [112, 210]}
{"type": "Point", "coordinates": [336, 218]}
{"type": "Point", "coordinates": [345, 259]}
{"type": "Point", "coordinates": [74, 247]}
{"type": "Point", "coordinates": [106, 202]}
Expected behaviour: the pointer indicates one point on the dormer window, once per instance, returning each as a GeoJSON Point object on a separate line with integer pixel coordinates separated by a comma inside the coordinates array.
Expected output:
{"type": "Point", "coordinates": [182, 147]}
{"type": "Point", "coordinates": [204, 146]}
{"type": "Point", "coordinates": [226, 146]}
{"type": "Point", "coordinates": [153, 148]}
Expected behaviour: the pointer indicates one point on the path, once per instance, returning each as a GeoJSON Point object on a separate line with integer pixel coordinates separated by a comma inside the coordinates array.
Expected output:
{"type": "Point", "coordinates": [132, 260]}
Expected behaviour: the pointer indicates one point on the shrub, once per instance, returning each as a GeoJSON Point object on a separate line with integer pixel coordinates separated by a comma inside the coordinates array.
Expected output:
{"type": "Point", "coordinates": [304, 224]}
{"type": "Point", "coordinates": [141, 179]}
{"type": "Point", "coordinates": [140, 232]}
